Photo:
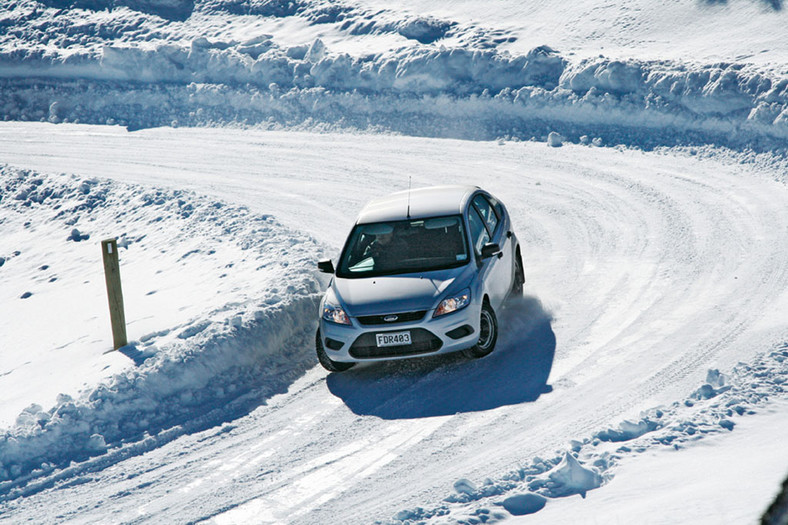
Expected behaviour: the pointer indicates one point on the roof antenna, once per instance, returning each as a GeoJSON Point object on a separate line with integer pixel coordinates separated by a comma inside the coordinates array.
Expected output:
{"type": "Point", "coordinates": [409, 177]}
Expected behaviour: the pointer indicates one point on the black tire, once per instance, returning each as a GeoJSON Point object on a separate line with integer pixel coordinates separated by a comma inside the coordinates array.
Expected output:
{"type": "Point", "coordinates": [519, 278]}
{"type": "Point", "coordinates": [328, 363]}
{"type": "Point", "coordinates": [488, 334]}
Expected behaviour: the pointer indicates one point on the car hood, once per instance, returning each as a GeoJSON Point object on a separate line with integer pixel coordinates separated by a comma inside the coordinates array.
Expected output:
{"type": "Point", "coordinates": [397, 293]}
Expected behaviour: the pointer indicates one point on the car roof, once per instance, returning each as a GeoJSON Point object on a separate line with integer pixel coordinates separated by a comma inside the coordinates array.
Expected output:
{"type": "Point", "coordinates": [433, 201]}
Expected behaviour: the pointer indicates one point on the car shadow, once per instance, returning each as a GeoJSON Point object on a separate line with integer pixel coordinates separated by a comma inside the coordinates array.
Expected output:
{"type": "Point", "coordinates": [516, 372]}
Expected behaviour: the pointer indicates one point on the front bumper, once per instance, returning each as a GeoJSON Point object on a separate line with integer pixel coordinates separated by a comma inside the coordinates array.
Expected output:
{"type": "Point", "coordinates": [429, 336]}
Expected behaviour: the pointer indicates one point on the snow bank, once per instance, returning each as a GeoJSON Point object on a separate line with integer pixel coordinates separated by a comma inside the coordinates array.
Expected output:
{"type": "Point", "coordinates": [591, 462]}
{"type": "Point", "coordinates": [164, 78]}
{"type": "Point", "coordinates": [229, 320]}
{"type": "Point", "coordinates": [206, 380]}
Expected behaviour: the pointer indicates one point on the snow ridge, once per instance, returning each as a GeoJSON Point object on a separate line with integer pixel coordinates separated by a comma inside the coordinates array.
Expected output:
{"type": "Point", "coordinates": [590, 462]}
{"type": "Point", "coordinates": [445, 93]}
{"type": "Point", "coordinates": [96, 73]}
{"type": "Point", "coordinates": [199, 384]}
{"type": "Point", "coordinates": [190, 375]}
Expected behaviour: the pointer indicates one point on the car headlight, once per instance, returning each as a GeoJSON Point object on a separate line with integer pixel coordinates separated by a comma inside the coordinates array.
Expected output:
{"type": "Point", "coordinates": [454, 303]}
{"type": "Point", "coordinates": [335, 314]}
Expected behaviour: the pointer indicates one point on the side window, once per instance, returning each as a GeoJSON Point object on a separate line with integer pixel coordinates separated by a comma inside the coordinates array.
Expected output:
{"type": "Point", "coordinates": [487, 213]}
{"type": "Point", "coordinates": [479, 234]}
{"type": "Point", "coordinates": [498, 206]}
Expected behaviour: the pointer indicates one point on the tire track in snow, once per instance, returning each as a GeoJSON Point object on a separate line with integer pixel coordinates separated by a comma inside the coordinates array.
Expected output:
{"type": "Point", "coordinates": [602, 215]}
{"type": "Point", "coordinates": [678, 219]}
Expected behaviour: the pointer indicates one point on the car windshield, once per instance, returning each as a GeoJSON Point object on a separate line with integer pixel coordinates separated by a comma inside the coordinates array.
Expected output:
{"type": "Point", "coordinates": [387, 248]}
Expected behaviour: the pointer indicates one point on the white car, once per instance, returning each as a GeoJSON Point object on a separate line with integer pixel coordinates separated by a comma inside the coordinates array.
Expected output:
{"type": "Point", "coordinates": [423, 272]}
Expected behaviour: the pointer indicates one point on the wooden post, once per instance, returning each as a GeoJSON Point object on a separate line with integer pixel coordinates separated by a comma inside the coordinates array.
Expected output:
{"type": "Point", "coordinates": [109, 250]}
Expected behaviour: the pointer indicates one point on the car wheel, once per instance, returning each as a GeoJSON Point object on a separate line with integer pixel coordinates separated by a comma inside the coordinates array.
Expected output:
{"type": "Point", "coordinates": [519, 278]}
{"type": "Point", "coordinates": [328, 363]}
{"type": "Point", "coordinates": [488, 333]}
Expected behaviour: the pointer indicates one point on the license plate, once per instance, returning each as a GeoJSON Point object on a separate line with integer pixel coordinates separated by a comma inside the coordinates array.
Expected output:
{"type": "Point", "coordinates": [393, 339]}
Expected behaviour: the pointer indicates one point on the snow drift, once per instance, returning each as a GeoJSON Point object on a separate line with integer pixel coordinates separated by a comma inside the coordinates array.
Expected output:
{"type": "Point", "coordinates": [590, 461]}
{"type": "Point", "coordinates": [94, 73]}
{"type": "Point", "coordinates": [188, 365]}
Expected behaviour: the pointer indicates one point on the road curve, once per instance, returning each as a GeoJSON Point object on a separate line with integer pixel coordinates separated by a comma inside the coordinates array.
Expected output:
{"type": "Point", "coordinates": [643, 271]}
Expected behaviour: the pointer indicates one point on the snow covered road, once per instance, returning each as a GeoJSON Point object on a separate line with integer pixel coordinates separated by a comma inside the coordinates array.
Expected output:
{"type": "Point", "coordinates": [644, 270]}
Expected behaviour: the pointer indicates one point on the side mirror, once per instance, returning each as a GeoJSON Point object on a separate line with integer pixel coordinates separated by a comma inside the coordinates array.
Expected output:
{"type": "Point", "coordinates": [325, 266]}
{"type": "Point", "coordinates": [490, 249]}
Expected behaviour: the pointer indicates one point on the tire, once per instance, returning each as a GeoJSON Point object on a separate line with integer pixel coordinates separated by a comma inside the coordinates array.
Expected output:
{"type": "Point", "coordinates": [488, 334]}
{"type": "Point", "coordinates": [328, 363]}
{"type": "Point", "coordinates": [519, 278]}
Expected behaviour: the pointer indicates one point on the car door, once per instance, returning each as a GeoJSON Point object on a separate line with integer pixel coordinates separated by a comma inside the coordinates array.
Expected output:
{"type": "Point", "coordinates": [487, 226]}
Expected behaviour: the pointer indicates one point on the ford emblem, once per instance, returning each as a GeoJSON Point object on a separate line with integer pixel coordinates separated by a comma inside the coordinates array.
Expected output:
{"type": "Point", "coordinates": [390, 318]}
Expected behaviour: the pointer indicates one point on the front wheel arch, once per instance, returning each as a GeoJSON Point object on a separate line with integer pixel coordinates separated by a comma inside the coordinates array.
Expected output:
{"type": "Point", "coordinates": [488, 333]}
{"type": "Point", "coordinates": [328, 363]}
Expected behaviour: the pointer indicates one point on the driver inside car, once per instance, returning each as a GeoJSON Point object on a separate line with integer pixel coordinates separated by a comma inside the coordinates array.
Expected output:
{"type": "Point", "coordinates": [386, 249]}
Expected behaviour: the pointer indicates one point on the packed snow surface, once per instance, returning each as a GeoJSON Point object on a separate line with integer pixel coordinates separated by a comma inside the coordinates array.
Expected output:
{"type": "Point", "coordinates": [630, 256]}
{"type": "Point", "coordinates": [229, 144]}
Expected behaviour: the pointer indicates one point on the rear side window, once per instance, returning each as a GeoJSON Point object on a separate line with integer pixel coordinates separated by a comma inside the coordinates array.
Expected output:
{"type": "Point", "coordinates": [479, 234]}
{"type": "Point", "coordinates": [487, 213]}
{"type": "Point", "coordinates": [497, 206]}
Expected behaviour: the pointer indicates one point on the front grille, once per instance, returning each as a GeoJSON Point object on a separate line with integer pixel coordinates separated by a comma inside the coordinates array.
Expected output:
{"type": "Point", "coordinates": [422, 342]}
{"type": "Point", "coordinates": [406, 317]}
